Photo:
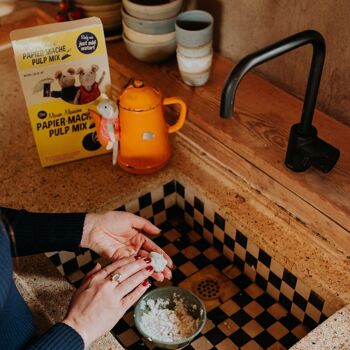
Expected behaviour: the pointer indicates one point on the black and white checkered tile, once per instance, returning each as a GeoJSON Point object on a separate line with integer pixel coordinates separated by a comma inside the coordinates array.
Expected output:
{"type": "Point", "coordinates": [250, 319]}
{"type": "Point", "coordinates": [271, 276]}
{"type": "Point", "coordinates": [155, 206]}
{"type": "Point", "coordinates": [174, 200]}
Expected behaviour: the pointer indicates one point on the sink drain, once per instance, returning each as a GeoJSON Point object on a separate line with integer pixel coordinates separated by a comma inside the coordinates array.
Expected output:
{"type": "Point", "coordinates": [207, 289]}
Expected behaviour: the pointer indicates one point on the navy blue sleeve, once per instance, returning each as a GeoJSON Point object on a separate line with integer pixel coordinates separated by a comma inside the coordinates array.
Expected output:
{"type": "Point", "coordinates": [58, 337]}
{"type": "Point", "coordinates": [44, 232]}
{"type": "Point", "coordinates": [5, 266]}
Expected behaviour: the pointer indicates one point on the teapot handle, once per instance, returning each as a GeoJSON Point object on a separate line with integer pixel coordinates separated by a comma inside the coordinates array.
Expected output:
{"type": "Point", "coordinates": [97, 120]}
{"type": "Point", "coordinates": [180, 122]}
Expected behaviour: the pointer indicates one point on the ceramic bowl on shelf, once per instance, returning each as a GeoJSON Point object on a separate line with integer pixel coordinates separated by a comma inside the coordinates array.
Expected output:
{"type": "Point", "coordinates": [192, 303]}
{"type": "Point", "coordinates": [161, 26]}
{"type": "Point", "coordinates": [106, 18]}
{"type": "Point", "coordinates": [153, 9]}
{"type": "Point", "coordinates": [103, 12]}
{"type": "Point", "coordinates": [150, 53]}
{"type": "Point", "coordinates": [110, 15]}
{"type": "Point", "coordinates": [139, 37]}
{"type": "Point", "coordinates": [80, 3]}
{"type": "Point", "coordinates": [110, 21]}
{"type": "Point", "coordinates": [115, 6]}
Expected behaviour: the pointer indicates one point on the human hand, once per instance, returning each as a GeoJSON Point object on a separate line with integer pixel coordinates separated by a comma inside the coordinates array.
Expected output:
{"type": "Point", "coordinates": [116, 234]}
{"type": "Point", "coordinates": [100, 303]}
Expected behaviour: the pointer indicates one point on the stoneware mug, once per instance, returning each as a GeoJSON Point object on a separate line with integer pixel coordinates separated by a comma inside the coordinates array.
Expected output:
{"type": "Point", "coordinates": [194, 28]}
{"type": "Point", "coordinates": [194, 36]}
{"type": "Point", "coordinates": [199, 51]}
{"type": "Point", "coordinates": [194, 71]}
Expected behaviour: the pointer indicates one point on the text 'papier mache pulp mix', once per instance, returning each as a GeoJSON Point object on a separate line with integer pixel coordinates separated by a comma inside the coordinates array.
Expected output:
{"type": "Point", "coordinates": [63, 68]}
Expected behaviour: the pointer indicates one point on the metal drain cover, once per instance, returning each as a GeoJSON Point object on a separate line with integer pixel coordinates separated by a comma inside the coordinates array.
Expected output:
{"type": "Point", "coordinates": [207, 289]}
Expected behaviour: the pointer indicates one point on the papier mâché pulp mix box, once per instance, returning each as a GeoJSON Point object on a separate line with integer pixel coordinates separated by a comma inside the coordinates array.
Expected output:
{"type": "Point", "coordinates": [63, 69]}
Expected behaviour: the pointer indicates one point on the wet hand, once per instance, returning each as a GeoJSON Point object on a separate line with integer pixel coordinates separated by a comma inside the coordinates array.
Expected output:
{"type": "Point", "coordinates": [105, 295]}
{"type": "Point", "coordinates": [115, 235]}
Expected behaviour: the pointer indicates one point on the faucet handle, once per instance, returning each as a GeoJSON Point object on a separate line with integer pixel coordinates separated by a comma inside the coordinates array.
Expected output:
{"type": "Point", "coordinates": [309, 150]}
{"type": "Point", "coordinates": [323, 155]}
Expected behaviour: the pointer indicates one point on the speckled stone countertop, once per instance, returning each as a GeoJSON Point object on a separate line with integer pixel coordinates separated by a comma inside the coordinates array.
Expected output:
{"type": "Point", "coordinates": [94, 185]}
{"type": "Point", "coordinates": [48, 294]}
{"type": "Point", "coordinates": [331, 334]}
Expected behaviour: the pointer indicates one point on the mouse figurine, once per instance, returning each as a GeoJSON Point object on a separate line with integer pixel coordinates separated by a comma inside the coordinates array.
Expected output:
{"type": "Point", "coordinates": [107, 125]}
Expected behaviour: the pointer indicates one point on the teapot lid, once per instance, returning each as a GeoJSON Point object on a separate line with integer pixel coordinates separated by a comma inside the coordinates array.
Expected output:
{"type": "Point", "coordinates": [138, 96]}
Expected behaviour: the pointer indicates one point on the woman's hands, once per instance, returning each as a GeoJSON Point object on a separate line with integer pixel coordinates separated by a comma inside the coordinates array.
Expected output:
{"type": "Point", "coordinates": [100, 303]}
{"type": "Point", "coordinates": [115, 235]}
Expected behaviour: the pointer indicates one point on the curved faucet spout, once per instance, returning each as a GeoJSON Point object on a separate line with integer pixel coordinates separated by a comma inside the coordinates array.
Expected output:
{"type": "Point", "coordinates": [270, 52]}
{"type": "Point", "coordinates": [300, 155]}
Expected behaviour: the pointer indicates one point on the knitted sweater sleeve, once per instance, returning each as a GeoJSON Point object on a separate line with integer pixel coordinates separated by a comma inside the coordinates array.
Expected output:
{"type": "Point", "coordinates": [44, 232]}
{"type": "Point", "coordinates": [58, 337]}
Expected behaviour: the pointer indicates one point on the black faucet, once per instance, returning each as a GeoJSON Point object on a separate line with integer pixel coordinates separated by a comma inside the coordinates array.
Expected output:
{"type": "Point", "coordinates": [305, 149]}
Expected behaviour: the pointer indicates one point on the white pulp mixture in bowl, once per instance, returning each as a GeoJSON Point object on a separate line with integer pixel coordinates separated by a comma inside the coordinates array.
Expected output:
{"type": "Point", "coordinates": [167, 325]}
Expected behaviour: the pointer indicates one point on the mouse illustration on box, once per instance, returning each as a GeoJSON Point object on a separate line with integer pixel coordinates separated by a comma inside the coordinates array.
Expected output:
{"type": "Point", "coordinates": [67, 82]}
{"type": "Point", "coordinates": [89, 89]}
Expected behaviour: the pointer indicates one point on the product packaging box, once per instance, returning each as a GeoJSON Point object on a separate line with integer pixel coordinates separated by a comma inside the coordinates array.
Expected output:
{"type": "Point", "coordinates": [63, 68]}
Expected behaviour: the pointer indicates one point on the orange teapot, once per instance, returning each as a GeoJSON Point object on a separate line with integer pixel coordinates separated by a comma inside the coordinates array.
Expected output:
{"type": "Point", "coordinates": [144, 142]}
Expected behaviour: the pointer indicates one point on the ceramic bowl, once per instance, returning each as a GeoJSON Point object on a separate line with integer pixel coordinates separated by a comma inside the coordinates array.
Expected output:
{"type": "Point", "coordinates": [149, 26]}
{"type": "Point", "coordinates": [150, 53]}
{"type": "Point", "coordinates": [198, 312]}
{"type": "Point", "coordinates": [80, 3]}
{"type": "Point", "coordinates": [139, 37]}
{"type": "Point", "coordinates": [106, 17]}
{"type": "Point", "coordinates": [200, 51]}
{"type": "Point", "coordinates": [152, 9]}
{"type": "Point", "coordinates": [194, 64]}
{"type": "Point", "coordinates": [109, 20]}
{"type": "Point", "coordinates": [115, 6]}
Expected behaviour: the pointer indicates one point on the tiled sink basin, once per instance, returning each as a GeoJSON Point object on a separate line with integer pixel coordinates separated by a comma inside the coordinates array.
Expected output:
{"type": "Point", "coordinates": [244, 316]}
{"type": "Point", "coordinates": [252, 301]}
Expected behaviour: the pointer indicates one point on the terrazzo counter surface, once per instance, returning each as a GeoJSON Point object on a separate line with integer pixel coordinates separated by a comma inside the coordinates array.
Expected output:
{"type": "Point", "coordinates": [94, 185]}
{"type": "Point", "coordinates": [331, 334]}
{"type": "Point", "coordinates": [48, 295]}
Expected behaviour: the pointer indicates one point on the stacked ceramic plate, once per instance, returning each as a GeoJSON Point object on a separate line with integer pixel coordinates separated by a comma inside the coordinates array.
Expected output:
{"type": "Point", "coordinates": [149, 28]}
{"type": "Point", "coordinates": [109, 11]}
